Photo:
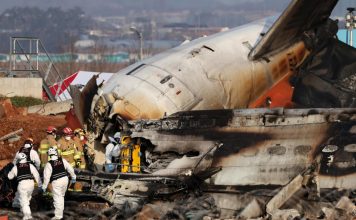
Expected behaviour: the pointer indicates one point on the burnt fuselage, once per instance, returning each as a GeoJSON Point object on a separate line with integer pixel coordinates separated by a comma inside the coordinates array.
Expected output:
{"type": "Point", "coordinates": [260, 146]}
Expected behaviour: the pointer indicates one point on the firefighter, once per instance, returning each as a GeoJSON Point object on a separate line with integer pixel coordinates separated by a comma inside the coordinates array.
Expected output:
{"type": "Point", "coordinates": [126, 154]}
{"type": "Point", "coordinates": [50, 140]}
{"type": "Point", "coordinates": [24, 172]}
{"type": "Point", "coordinates": [79, 139]}
{"type": "Point", "coordinates": [130, 155]}
{"type": "Point", "coordinates": [55, 171]}
{"type": "Point", "coordinates": [112, 153]}
{"type": "Point", "coordinates": [67, 148]}
{"type": "Point", "coordinates": [31, 154]}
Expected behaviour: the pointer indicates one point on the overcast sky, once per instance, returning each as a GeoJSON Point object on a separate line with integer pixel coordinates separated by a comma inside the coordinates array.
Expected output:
{"type": "Point", "coordinates": [118, 7]}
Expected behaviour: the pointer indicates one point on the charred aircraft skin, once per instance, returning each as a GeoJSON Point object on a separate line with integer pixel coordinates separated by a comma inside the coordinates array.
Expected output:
{"type": "Point", "coordinates": [259, 146]}
{"type": "Point", "coordinates": [219, 149]}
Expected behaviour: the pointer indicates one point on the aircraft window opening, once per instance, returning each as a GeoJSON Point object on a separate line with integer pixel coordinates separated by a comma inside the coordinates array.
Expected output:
{"type": "Point", "coordinates": [136, 68]}
{"type": "Point", "coordinates": [166, 79]}
{"type": "Point", "coordinates": [277, 150]}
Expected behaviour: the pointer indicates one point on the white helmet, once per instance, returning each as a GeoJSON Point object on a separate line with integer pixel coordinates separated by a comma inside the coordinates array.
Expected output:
{"type": "Point", "coordinates": [52, 153]}
{"type": "Point", "coordinates": [27, 145]}
{"type": "Point", "coordinates": [21, 158]}
{"type": "Point", "coordinates": [117, 135]}
{"type": "Point", "coordinates": [116, 138]}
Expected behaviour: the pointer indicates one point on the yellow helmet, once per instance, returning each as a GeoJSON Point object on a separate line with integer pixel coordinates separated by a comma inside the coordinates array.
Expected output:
{"type": "Point", "coordinates": [79, 131]}
{"type": "Point", "coordinates": [125, 140]}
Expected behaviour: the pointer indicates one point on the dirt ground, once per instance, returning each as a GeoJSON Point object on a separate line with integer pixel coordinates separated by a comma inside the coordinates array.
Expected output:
{"type": "Point", "coordinates": [33, 126]}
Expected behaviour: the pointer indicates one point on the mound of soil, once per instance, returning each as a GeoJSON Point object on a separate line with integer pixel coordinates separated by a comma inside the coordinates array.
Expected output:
{"type": "Point", "coordinates": [33, 126]}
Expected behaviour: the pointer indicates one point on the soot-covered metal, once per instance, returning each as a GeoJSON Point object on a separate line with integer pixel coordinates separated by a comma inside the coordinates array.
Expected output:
{"type": "Point", "coordinates": [281, 141]}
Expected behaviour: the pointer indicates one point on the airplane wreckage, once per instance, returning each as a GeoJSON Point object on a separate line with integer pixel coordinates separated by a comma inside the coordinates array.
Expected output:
{"type": "Point", "coordinates": [266, 104]}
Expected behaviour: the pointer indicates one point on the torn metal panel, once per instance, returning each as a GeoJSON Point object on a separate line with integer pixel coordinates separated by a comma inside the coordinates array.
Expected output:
{"type": "Point", "coordinates": [327, 78]}
{"type": "Point", "coordinates": [82, 100]}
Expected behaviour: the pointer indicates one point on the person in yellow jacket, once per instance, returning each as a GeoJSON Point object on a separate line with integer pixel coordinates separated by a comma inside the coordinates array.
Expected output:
{"type": "Point", "coordinates": [50, 140]}
{"type": "Point", "coordinates": [130, 155]}
{"type": "Point", "coordinates": [67, 148]}
{"type": "Point", "coordinates": [79, 139]}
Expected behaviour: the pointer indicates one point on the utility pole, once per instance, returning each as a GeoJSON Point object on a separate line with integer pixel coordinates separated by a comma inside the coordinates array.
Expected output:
{"type": "Point", "coordinates": [140, 37]}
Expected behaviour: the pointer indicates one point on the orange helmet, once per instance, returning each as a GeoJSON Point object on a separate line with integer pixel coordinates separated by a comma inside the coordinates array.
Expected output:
{"type": "Point", "coordinates": [51, 129]}
{"type": "Point", "coordinates": [67, 131]}
{"type": "Point", "coordinates": [30, 140]}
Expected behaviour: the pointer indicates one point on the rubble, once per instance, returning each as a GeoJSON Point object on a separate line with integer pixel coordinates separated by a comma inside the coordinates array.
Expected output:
{"type": "Point", "coordinates": [334, 213]}
{"type": "Point", "coordinates": [284, 194]}
{"type": "Point", "coordinates": [347, 205]}
{"type": "Point", "coordinates": [285, 214]}
{"type": "Point", "coordinates": [11, 134]}
{"type": "Point", "coordinates": [252, 210]}
{"type": "Point", "coordinates": [14, 139]}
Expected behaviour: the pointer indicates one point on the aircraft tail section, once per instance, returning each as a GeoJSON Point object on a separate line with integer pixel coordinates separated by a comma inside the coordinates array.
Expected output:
{"type": "Point", "coordinates": [299, 17]}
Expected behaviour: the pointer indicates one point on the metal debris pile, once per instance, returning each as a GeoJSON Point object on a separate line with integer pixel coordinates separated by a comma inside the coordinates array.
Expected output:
{"type": "Point", "coordinates": [349, 82]}
{"type": "Point", "coordinates": [333, 204]}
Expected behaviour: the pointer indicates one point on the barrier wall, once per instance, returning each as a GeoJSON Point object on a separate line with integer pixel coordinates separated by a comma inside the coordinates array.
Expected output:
{"type": "Point", "coordinates": [29, 87]}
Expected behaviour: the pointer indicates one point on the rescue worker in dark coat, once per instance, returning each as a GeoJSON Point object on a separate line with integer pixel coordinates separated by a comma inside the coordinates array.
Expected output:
{"type": "Point", "coordinates": [55, 171]}
{"type": "Point", "coordinates": [31, 154]}
{"type": "Point", "coordinates": [32, 157]}
{"type": "Point", "coordinates": [25, 172]}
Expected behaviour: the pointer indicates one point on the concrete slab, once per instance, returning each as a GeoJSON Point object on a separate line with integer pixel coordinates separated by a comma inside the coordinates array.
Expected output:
{"type": "Point", "coordinates": [29, 87]}
{"type": "Point", "coordinates": [51, 108]}
{"type": "Point", "coordinates": [284, 194]}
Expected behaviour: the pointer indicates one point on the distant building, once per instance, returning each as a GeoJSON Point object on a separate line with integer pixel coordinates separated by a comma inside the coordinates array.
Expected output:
{"type": "Point", "coordinates": [84, 44]}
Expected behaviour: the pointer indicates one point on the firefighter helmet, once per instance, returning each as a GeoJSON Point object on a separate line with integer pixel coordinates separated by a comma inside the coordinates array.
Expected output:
{"type": "Point", "coordinates": [21, 158]}
{"type": "Point", "coordinates": [67, 131]}
{"type": "Point", "coordinates": [125, 140]}
{"type": "Point", "coordinates": [79, 132]}
{"type": "Point", "coordinates": [51, 130]}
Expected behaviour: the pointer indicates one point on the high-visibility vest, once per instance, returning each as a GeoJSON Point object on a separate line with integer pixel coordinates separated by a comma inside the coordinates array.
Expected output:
{"type": "Point", "coordinates": [46, 143]}
{"type": "Point", "coordinates": [130, 158]}
{"type": "Point", "coordinates": [80, 153]}
{"type": "Point", "coordinates": [67, 150]}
